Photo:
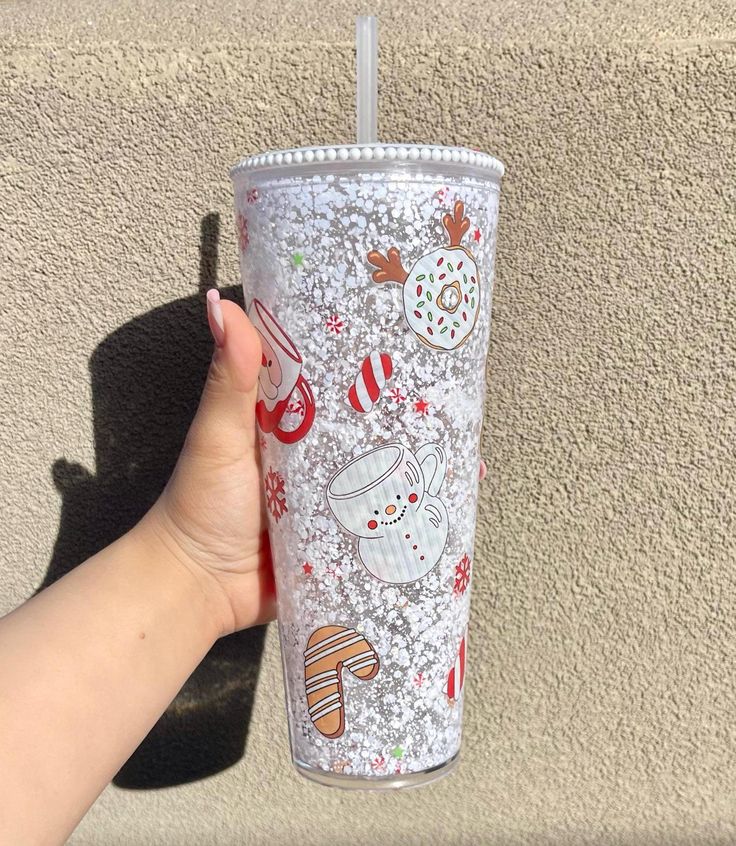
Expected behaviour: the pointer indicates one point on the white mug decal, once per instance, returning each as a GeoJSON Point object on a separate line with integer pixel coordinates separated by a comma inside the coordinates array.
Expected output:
{"type": "Point", "coordinates": [387, 497]}
{"type": "Point", "coordinates": [281, 386]}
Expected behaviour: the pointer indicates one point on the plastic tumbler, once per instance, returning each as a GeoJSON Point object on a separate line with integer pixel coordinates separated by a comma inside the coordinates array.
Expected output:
{"type": "Point", "coordinates": [367, 271]}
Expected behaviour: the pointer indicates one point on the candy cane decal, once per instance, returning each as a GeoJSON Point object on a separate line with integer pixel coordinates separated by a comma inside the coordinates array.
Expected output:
{"type": "Point", "coordinates": [329, 650]}
{"type": "Point", "coordinates": [375, 371]}
{"type": "Point", "coordinates": [456, 676]}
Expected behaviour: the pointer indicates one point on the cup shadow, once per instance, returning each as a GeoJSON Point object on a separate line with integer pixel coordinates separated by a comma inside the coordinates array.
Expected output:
{"type": "Point", "coordinates": [146, 380]}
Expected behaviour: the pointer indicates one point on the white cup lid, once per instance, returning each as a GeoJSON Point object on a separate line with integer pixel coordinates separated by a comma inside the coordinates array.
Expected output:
{"type": "Point", "coordinates": [372, 154]}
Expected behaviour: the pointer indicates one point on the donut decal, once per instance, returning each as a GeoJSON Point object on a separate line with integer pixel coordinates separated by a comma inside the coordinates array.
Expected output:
{"type": "Point", "coordinates": [330, 650]}
{"type": "Point", "coordinates": [442, 289]}
{"type": "Point", "coordinates": [285, 405]}
{"type": "Point", "coordinates": [374, 372]}
{"type": "Point", "coordinates": [387, 498]}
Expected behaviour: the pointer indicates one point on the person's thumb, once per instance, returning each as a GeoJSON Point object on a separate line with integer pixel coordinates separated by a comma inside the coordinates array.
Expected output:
{"type": "Point", "coordinates": [224, 426]}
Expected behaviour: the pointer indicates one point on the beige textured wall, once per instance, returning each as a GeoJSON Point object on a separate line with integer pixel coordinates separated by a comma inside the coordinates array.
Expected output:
{"type": "Point", "coordinates": [601, 705]}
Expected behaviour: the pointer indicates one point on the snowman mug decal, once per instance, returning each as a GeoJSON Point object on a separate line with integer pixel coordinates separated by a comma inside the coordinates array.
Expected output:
{"type": "Point", "coordinates": [283, 392]}
{"type": "Point", "coordinates": [387, 497]}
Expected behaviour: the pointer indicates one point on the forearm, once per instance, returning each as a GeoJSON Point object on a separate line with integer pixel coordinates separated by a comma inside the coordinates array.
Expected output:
{"type": "Point", "coordinates": [86, 668]}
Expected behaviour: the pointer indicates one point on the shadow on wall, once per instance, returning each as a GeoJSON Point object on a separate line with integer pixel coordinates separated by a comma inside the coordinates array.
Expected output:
{"type": "Point", "coordinates": [146, 380]}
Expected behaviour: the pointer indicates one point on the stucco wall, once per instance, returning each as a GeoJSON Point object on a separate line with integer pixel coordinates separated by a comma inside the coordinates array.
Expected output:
{"type": "Point", "coordinates": [601, 703]}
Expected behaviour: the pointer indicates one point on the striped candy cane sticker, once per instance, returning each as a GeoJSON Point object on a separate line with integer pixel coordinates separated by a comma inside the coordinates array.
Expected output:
{"type": "Point", "coordinates": [456, 677]}
{"type": "Point", "coordinates": [375, 371]}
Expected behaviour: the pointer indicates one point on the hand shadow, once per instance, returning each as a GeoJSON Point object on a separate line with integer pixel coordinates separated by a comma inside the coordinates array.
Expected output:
{"type": "Point", "coordinates": [146, 380]}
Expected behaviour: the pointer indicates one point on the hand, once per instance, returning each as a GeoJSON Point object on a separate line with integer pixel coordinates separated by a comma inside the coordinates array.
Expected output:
{"type": "Point", "coordinates": [210, 516]}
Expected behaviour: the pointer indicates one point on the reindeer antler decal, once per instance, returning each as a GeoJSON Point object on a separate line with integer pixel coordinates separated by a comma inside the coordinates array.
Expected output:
{"type": "Point", "coordinates": [457, 225]}
{"type": "Point", "coordinates": [389, 266]}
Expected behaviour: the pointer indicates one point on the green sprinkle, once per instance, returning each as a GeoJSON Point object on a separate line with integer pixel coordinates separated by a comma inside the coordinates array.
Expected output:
{"type": "Point", "coordinates": [456, 324]}
{"type": "Point", "coordinates": [472, 302]}
{"type": "Point", "coordinates": [450, 267]}
{"type": "Point", "coordinates": [465, 278]}
{"type": "Point", "coordinates": [471, 290]}
{"type": "Point", "coordinates": [429, 315]}
{"type": "Point", "coordinates": [444, 329]}
{"type": "Point", "coordinates": [419, 278]}
{"type": "Point", "coordinates": [429, 296]}
{"type": "Point", "coordinates": [420, 303]}
{"type": "Point", "coordinates": [431, 278]}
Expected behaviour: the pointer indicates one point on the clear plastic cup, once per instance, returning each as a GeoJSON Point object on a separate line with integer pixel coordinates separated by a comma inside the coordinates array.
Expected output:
{"type": "Point", "coordinates": [368, 273]}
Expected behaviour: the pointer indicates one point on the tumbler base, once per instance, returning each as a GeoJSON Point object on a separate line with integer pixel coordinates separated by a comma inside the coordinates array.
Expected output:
{"type": "Point", "coordinates": [389, 782]}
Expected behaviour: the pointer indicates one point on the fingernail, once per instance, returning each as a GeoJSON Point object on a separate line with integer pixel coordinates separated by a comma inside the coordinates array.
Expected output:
{"type": "Point", "coordinates": [483, 470]}
{"type": "Point", "coordinates": [214, 316]}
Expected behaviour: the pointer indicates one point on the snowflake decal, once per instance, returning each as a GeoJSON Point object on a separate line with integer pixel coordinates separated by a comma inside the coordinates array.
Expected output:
{"type": "Point", "coordinates": [275, 494]}
{"type": "Point", "coordinates": [396, 395]}
{"type": "Point", "coordinates": [334, 324]}
{"type": "Point", "coordinates": [252, 196]}
{"type": "Point", "coordinates": [243, 237]}
{"type": "Point", "coordinates": [443, 195]}
{"type": "Point", "coordinates": [419, 679]}
{"type": "Point", "coordinates": [462, 576]}
{"type": "Point", "coordinates": [378, 764]}
{"type": "Point", "coordinates": [335, 571]}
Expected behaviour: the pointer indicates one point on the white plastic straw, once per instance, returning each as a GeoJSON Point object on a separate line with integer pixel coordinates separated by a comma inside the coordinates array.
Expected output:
{"type": "Point", "coordinates": [366, 45]}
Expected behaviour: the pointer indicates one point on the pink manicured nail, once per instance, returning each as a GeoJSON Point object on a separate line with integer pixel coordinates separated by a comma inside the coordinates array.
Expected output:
{"type": "Point", "coordinates": [483, 470]}
{"type": "Point", "coordinates": [214, 316]}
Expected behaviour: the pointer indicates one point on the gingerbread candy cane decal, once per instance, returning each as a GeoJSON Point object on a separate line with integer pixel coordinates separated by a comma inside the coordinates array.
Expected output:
{"type": "Point", "coordinates": [329, 650]}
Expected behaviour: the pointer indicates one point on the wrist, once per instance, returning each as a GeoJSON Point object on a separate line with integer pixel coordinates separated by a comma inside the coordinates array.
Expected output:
{"type": "Point", "coordinates": [205, 598]}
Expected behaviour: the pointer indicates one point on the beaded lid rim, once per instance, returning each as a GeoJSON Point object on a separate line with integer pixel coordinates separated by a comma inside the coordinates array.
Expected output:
{"type": "Point", "coordinates": [354, 153]}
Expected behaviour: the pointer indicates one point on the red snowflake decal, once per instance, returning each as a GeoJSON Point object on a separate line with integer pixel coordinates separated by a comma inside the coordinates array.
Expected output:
{"type": "Point", "coordinates": [335, 571]}
{"type": "Point", "coordinates": [252, 196]}
{"type": "Point", "coordinates": [462, 576]}
{"type": "Point", "coordinates": [396, 395]}
{"type": "Point", "coordinates": [296, 407]}
{"type": "Point", "coordinates": [421, 407]}
{"type": "Point", "coordinates": [243, 237]}
{"type": "Point", "coordinates": [334, 324]}
{"type": "Point", "coordinates": [378, 764]}
{"type": "Point", "coordinates": [262, 442]}
{"type": "Point", "coordinates": [442, 194]}
{"type": "Point", "coordinates": [419, 679]}
{"type": "Point", "coordinates": [275, 494]}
